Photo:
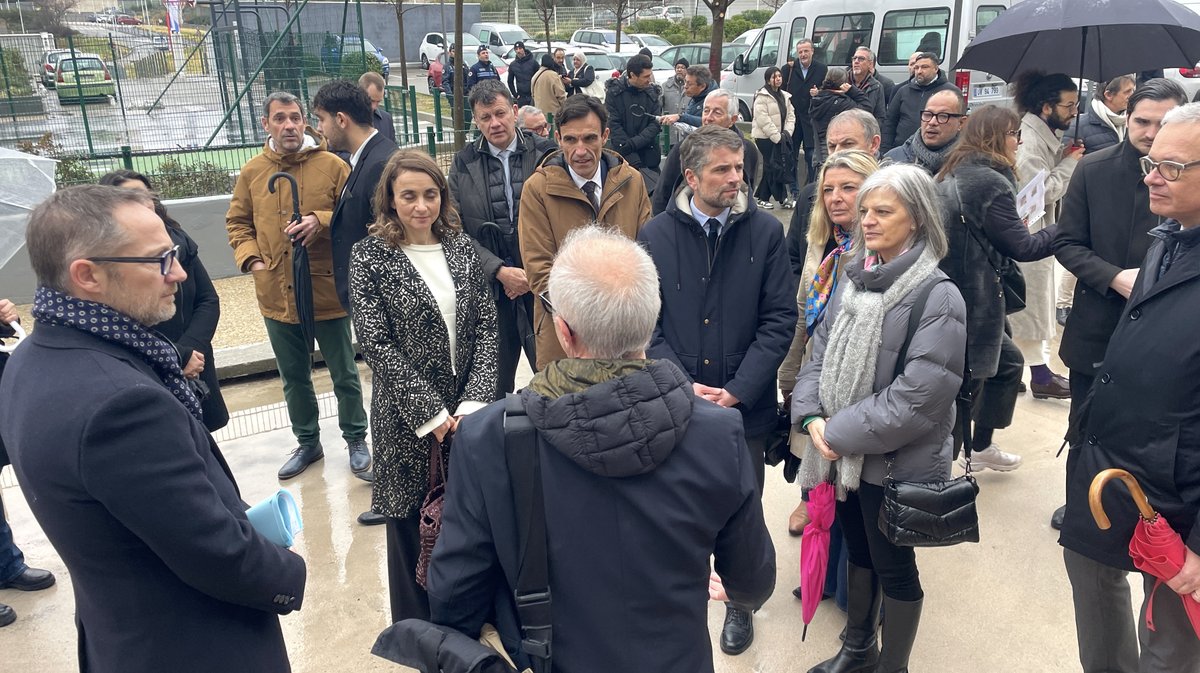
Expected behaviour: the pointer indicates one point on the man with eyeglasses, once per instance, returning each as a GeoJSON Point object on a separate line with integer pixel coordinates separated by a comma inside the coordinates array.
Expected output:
{"type": "Point", "coordinates": [1047, 104]}
{"type": "Point", "coordinates": [533, 120]}
{"type": "Point", "coordinates": [862, 74]}
{"type": "Point", "coordinates": [125, 479]}
{"type": "Point", "coordinates": [1142, 417]}
{"type": "Point", "coordinates": [941, 122]}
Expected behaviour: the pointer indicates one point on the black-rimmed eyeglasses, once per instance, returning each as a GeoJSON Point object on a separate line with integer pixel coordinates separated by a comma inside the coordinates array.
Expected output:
{"type": "Point", "coordinates": [165, 261]}
{"type": "Point", "coordinates": [941, 117]}
{"type": "Point", "coordinates": [547, 310]}
{"type": "Point", "coordinates": [1169, 170]}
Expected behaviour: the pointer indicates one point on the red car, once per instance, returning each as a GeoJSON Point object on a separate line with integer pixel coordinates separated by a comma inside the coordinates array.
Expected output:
{"type": "Point", "coordinates": [127, 20]}
{"type": "Point", "coordinates": [437, 65]}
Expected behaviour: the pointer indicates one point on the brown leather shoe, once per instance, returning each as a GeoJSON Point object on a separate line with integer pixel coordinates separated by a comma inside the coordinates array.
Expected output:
{"type": "Point", "coordinates": [798, 520]}
{"type": "Point", "coordinates": [1059, 388]}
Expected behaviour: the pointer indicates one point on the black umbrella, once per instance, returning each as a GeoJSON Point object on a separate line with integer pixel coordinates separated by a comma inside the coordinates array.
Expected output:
{"type": "Point", "coordinates": [1093, 39]}
{"type": "Point", "coordinates": [301, 277]}
{"type": "Point", "coordinates": [495, 239]}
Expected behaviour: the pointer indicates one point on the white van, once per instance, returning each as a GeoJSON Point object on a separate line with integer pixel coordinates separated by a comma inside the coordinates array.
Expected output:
{"type": "Point", "coordinates": [500, 37]}
{"type": "Point", "coordinates": [893, 29]}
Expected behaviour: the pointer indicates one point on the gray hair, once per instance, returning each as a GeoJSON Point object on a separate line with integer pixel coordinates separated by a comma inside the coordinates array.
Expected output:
{"type": "Point", "coordinates": [1184, 114]}
{"type": "Point", "coordinates": [731, 105]}
{"type": "Point", "coordinates": [702, 74]}
{"type": "Point", "coordinates": [865, 120]}
{"type": "Point", "coordinates": [524, 112]}
{"type": "Point", "coordinates": [696, 149]}
{"type": "Point", "coordinates": [605, 287]}
{"type": "Point", "coordinates": [806, 41]}
{"type": "Point", "coordinates": [75, 223]}
{"type": "Point", "coordinates": [917, 193]}
{"type": "Point", "coordinates": [870, 54]}
{"type": "Point", "coordinates": [281, 97]}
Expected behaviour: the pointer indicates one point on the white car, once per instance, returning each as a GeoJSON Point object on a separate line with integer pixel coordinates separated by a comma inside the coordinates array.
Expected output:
{"type": "Point", "coordinates": [747, 37]}
{"type": "Point", "coordinates": [654, 43]}
{"type": "Point", "coordinates": [668, 12]}
{"type": "Point", "coordinates": [434, 44]}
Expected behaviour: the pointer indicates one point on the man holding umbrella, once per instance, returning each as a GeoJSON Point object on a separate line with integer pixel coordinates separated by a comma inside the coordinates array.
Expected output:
{"type": "Point", "coordinates": [1142, 417]}
{"type": "Point", "coordinates": [265, 236]}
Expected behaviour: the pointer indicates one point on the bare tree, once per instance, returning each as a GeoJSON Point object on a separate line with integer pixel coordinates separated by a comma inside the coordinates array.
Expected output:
{"type": "Point", "coordinates": [56, 9]}
{"type": "Point", "coordinates": [545, 12]}
{"type": "Point", "coordinates": [400, 10]}
{"type": "Point", "coordinates": [718, 9]}
{"type": "Point", "coordinates": [460, 134]}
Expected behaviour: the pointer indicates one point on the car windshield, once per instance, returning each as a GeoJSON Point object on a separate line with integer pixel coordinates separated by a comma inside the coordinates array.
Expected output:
{"type": "Point", "coordinates": [71, 64]}
{"type": "Point", "coordinates": [54, 56]}
{"type": "Point", "coordinates": [511, 36]}
{"type": "Point", "coordinates": [661, 63]}
{"type": "Point", "coordinates": [653, 40]}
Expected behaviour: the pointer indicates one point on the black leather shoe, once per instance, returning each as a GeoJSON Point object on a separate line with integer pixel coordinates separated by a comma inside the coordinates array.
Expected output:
{"type": "Point", "coordinates": [1056, 519]}
{"type": "Point", "coordinates": [30, 580]}
{"type": "Point", "coordinates": [302, 457]}
{"type": "Point", "coordinates": [1059, 388]}
{"type": "Point", "coordinates": [7, 615]}
{"type": "Point", "coordinates": [360, 457]}
{"type": "Point", "coordinates": [738, 632]}
{"type": "Point", "coordinates": [1021, 387]}
{"type": "Point", "coordinates": [366, 475]}
{"type": "Point", "coordinates": [372, 519]}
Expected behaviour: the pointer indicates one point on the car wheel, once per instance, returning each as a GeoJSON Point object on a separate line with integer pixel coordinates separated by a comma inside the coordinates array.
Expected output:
{"type": "Point", "coordinates": [429, 81]}
{"type": "Point", "coordinates": [424, 62]}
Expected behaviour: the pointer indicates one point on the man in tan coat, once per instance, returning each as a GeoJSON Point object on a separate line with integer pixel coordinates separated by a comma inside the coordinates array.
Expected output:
{"type": "Point", "coordinates": [260, 233]}
{"type": "Point", "coordinates": [548, 89]}
{"type": "Point", "coordinates": [577, 184]}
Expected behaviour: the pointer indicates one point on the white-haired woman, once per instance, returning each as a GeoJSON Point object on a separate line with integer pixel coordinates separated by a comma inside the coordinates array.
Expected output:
{"type": "Point", "coordinates": [580, 76]}
{"type": "Point", "coordinates": [867, 422]}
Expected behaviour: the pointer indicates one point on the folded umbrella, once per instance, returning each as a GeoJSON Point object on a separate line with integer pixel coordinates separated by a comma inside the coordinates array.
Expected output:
{"type": "Point", "coordinates": [301, 274]}
{"type": "Point", "coordinates": [495, 239]}
{"type": "Point", "coordinates": [814, 551]}
{"type": "Point", "coordinates": [1155, 547]}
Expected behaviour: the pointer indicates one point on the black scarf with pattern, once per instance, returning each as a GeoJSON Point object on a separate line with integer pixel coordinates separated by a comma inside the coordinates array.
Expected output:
{"type": "Point", "coordinates": [104, 322]}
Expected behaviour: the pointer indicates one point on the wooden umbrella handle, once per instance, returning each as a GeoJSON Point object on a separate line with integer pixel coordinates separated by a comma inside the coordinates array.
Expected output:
{"type": "Point", "coordinates": [1135, 491]}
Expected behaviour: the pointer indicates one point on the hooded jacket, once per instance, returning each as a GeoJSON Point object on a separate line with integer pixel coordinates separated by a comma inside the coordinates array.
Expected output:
{"type": "Point", "coordinates": [727, 323]}
{"type": "Point", "coordinates": [643, 483]}
{"type": "Point", "coordinates": [547, 87]}
{"type": "Point", "coordinates": [633, 136]}
{"type": "Point", "coordinates": [520, 78]}
{"type": "Point", "coordinates": [904, 110]}
{"type": "Point", "coordinates": [552, 206]}
{"type": "Point", "coordinates": [256, 219]}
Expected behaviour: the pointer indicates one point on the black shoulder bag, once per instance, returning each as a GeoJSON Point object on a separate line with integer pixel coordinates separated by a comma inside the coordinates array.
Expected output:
{"type": "Point", "coordinates": [1012, 281]}
{"type": "Point", "coordinates": [931, 513]}
{"type": "Point", "coordinates": [533, 579]}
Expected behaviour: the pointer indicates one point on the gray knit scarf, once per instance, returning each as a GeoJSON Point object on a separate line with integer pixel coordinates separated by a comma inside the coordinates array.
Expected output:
{"type": "Point", "coordinates": [850, 362]}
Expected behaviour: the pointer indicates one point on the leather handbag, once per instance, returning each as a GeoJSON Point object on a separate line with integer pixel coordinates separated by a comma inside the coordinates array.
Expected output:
{"type": "Point", "coordinates": [931, 513]}
{"type": "Point", "coordinates": [1012, 281]}
{"type": "Point", "coordinates": [430, 525]}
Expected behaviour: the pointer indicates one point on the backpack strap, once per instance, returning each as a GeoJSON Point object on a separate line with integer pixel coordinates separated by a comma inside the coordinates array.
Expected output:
{"type": "Point", "coordinates": [532, 592]}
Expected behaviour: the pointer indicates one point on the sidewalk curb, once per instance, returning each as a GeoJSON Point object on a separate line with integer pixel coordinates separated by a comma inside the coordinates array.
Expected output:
{"type": "Point", "coordinates": [238, 362]}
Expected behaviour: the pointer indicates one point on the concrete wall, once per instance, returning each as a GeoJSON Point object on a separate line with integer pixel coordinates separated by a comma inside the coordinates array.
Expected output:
{"type": "Point", "coordinates": [379, 19]}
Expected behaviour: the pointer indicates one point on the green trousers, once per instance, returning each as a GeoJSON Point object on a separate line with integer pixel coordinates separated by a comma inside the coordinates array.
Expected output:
{"type": "Point", "coordinates": [295, 368]}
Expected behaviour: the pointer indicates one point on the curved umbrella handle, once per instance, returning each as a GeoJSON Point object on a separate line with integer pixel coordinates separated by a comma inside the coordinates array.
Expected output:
{"type": "Point", "coordinates": [1135, 491]}
{"type": "Point", "coordinates": [20, 336]}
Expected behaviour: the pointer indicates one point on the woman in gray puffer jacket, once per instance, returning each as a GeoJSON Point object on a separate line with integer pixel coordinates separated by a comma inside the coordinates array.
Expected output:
{"type": "Point", "coordinates": [861, 416]}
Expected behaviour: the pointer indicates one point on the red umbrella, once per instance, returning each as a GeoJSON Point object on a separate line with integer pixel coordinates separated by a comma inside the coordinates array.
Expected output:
{"type": "Point", "coordinates": [814, 551]}
{"type": "Point", "coordinates": [1155, 548]}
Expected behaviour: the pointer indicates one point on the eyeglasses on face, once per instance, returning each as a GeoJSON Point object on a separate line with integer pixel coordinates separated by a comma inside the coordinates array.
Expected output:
{"type": "Point", "coordinates": [1169, 170]}
{"type": "Point", "coordinates": [165, 261]}
{"type": "Point", "coordinates": [941, 117]}
{"type": "Point", "coordinates": [1068, 106]}
{"type": "Point", "coordinates": [1015, 134]}
{"type": "Point", "coordinates": [547, 310]}
{"type": "Point", "coordinates": [858, 58]}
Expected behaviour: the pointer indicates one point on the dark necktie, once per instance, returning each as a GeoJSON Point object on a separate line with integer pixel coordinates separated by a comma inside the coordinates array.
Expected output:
{"type": "Point", "coordinates": [714, 230]}
{"type": "Point", "coordinates": [589, 188]}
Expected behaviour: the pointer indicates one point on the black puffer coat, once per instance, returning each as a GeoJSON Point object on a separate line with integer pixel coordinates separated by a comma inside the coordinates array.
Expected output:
{"type": "Point", "coordinates": [634, 136]}
{"type": "Point", "coordinates": [988, 200]}
{"type": "Point", "coordinates": [520, 78]}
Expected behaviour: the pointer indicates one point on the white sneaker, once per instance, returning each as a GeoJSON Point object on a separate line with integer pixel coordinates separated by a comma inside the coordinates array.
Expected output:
{"type": "Point", "coordinates": [992, 457]}
{"type": "Point", "coordinates": [765, 205]}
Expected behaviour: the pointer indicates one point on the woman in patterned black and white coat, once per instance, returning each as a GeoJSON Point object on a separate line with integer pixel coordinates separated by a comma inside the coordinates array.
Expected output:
{"type": "Point", "coordinates": [426, 324]}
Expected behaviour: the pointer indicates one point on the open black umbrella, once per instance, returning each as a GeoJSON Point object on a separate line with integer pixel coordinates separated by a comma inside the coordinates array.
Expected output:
{"type": "Point", "coordinates": [495, 239]}
{"type": "Point", "coordinates": [301, 277]}
{"type": "Point", "coordinates": [1094, 39]}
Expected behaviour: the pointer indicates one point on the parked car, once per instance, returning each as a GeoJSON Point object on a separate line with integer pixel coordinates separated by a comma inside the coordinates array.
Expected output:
{"type": "Point", "coordinates": [160, 43]}
{"type": "Point", "coordinates": [500, 37]}
{"type": "Point", "coordinates": [697, 54]}
{"type": "Point", "coordinates": [669, 12]}
{"type": "Point", "coordinates": [747, 37]}
{"type": "Point", "coordinates": [49, 62]}
{"type": "Point", "coordinates": [433, 44]}
{"type": "Point", "coordinates": [104, 18]}
{"type": "Point", "coordinates": [83, 76]}
{"type": "Point", "coordinates": [438, 66]}
{"type": "Point", "coordinates": [606, 64]}
{"type": "Point", "coordinates": [603, 38]}
{"type": "Point", "coordinates": [654, 43]}
{"type": "Point", "coordinates": [127, 20]}
{"type": "Point", "coordinates": [335, 45]}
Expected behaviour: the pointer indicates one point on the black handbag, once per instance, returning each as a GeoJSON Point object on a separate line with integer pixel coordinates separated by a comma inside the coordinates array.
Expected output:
{"type": "Point", "coordinates": [1012, 281]}
{"type": "Point", "coordinates": [931, 513]}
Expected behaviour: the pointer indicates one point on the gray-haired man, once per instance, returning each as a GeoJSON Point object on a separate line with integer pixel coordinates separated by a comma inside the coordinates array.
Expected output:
{"type": "Point", "coordinates": [643, 505]}
{"type": "Point", "coordinates": [729, 308]}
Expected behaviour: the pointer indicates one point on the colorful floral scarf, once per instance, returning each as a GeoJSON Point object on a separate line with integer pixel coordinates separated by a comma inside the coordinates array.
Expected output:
{"type": "Point", "coordinates": [825, 282]}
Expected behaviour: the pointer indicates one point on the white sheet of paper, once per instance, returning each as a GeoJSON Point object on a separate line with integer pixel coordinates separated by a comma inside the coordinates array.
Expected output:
{"type": "Point", "coordinates": [1031, 200]}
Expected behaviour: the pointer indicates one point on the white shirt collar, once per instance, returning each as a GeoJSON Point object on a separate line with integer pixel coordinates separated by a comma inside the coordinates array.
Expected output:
{"type": "Point", "coordinates": [358, 152]}
{"type": "Point", "coordinates": [512, 146]}
{"type": "Point", "coordinates": [703, 218]}
{"type": "Point", "coordinates": [595, 178]}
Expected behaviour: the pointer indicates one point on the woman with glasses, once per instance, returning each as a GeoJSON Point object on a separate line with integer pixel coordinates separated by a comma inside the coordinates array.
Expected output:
{"type": "Point", "coordinates": [978, 190]}
{"type": "Point", "coordinates": [197, 309]}
{"type": "Point", "coordinates": [1048, 104]}
{"type": "Point", "coordinates": [426, 324]}
{"type": "Point", "coordinates": [774, 122]}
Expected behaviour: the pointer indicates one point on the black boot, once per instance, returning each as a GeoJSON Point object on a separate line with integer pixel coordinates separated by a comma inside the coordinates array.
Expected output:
{"type": "Point", "coordinates": [859, 652]}
{"type": "Point", "coordinates": [738, 632]}
{"type": "Point", "coordinates": [899, 634]}
{"type": "Point", "coordinates": [302, 457]}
